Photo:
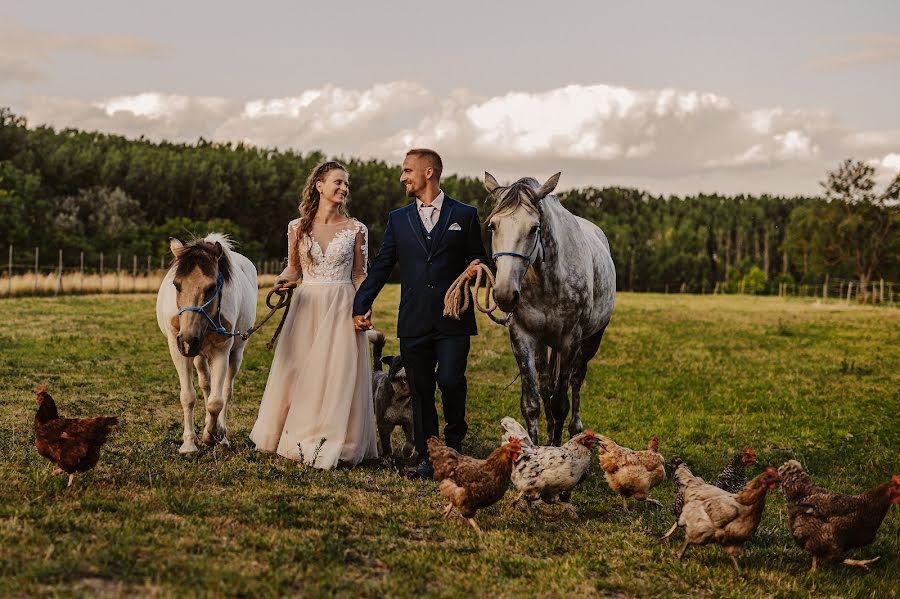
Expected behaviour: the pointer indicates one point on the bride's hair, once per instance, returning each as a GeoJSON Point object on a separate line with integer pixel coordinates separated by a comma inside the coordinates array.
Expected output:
{"type": "Point", "coordinates": [309, 205]}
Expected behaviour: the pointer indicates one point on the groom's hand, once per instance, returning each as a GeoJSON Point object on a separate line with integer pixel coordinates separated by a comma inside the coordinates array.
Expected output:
{"type": "Point", "coordinates": [472, 269]}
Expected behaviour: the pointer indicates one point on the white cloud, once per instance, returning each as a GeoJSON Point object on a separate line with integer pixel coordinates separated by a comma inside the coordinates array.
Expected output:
{"type": "Point", "coordinates": [666, 141]}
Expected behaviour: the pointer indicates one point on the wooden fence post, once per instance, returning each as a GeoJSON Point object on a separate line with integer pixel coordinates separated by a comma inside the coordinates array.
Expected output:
{"type": "Point", "coordinates": [133, 272]}
{"type": "Point", "coordinates": [101, 272]}
{"type": "Point", "coordinates": [849, 291]}
{"type": "Point", "coordinates": [37, 252]}
{"type": "Point", "coordinates": [825, 289]}
{"type": "Point", "coordinates": [10, 268]}
{"type": "Point", "coordinates": [118, 273]}
{"type": "Point", "coordinates": [59, 276]}
{"type": "Point", "coordinates": [881, 297]}
{"type": "Point", "coordinates": [81, 270]}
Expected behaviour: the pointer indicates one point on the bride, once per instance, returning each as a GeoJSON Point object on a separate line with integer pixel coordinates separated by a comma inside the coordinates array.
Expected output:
{"type": "Point", "coordinates": [317, 406]}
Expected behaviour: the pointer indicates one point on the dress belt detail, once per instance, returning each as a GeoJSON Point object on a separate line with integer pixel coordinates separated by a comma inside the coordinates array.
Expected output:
{"type": "Point", "coordinates": [314, 282]}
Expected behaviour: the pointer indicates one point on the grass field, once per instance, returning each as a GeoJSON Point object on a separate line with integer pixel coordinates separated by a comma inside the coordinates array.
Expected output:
{"type": "Point", "coordinates": [708, 374]}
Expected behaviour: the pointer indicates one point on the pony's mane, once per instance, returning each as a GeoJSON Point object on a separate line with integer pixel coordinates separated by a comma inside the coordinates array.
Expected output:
{"type": "Point", "coordinates": [521, 193]}
{"type": "Point", "coordinates": [201, 253]}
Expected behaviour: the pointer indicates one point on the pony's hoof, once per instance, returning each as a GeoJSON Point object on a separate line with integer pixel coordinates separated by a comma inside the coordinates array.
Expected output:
{"type": "Point", "coordinates": [208, 439]}
{"type": "Point", "coordinates": [224, 444]}
{"type": "Point", "coordinates": [188, 448]}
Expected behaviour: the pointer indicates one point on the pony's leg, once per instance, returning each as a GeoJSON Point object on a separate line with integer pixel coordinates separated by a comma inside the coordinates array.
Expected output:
{"type": "Point", "coordinates": [202, 367]}
{"type": "Point", "coordinates": [188, 397]}
{"type": "Point", "coordinates": [215, 404]}
{"type": "Point", "coordinates": [526, 350]}
{"type": "Point", "coordinates": [589, 349]}
{"type": "Point", "coordinates": [545, 385]}
{"type": "Point", "coordinates": [234, 365]}
{"type": "Point", "coordinates": [559, 403]}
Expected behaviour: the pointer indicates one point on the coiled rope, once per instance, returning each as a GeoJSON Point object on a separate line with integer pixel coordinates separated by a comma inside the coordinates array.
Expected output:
{"type": "Point", "coordinates": [463, 292]}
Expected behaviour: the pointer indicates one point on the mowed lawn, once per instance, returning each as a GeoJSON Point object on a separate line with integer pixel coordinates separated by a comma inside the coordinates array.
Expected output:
{"type": "Point", "coordinates": [709, 375]}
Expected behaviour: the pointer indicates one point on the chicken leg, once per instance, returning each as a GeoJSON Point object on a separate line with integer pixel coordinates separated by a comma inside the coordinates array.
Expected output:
{"type": "Point", "coordinates": [475, 526]}
{"type": "Point", "coordinates": [447, 510]}
{"type": "Point", "coordinates": [670, 532]}
{"type": "Point", "coordinates": [71, 478]}
{"type": "Point", "coordinates": [862, 563]}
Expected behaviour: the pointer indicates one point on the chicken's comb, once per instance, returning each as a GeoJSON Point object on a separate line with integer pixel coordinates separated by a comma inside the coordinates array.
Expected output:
{"type": "Point", "coordinates": [896, 479]}
{"type": "Point", "coordinates": [590, 433]}
{"type": "Point", "coordinates": [40, 389]}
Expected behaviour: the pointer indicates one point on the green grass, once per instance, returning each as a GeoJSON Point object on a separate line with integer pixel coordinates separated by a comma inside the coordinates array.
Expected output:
{"type": "Point", "coordinates": [710, 375]}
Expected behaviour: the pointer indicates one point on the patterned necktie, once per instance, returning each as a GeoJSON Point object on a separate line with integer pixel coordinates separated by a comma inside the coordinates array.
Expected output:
{"type": "Point", "coordinates": [427, 211]}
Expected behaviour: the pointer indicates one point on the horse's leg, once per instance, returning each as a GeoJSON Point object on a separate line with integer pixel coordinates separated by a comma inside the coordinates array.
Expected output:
{"type": "Point", "coordinates": [545, 385]}
{"type": "Point", "coordinates": [559, 403]}
{"type": "Point", "coordinates": [202, 367]}
{"type": "Point", "coordinates": [219, 368]}
{"type": "Point", "coordinates": [589, 349]}
{"type": "Point", "coordinates": [235, 359]}
{"type": "Point", "coordinates": [188, 396]}
{"type": "Point", "coordinates": [526, 349]}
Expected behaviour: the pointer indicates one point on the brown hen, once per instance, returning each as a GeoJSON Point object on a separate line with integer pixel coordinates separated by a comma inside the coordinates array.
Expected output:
{"type": "Point", "coordinates": [73, 444]}
{"type": "Point", "coordinates": [632, 473]}
{"type": "Point", "coordinates": [469, 483]}
{"type": "Point", "coordinates": [827, 523]}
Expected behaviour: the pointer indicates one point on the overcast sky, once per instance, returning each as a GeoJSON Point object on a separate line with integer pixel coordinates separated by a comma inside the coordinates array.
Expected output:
{"type": "Point", "coordinates": [665, 96]}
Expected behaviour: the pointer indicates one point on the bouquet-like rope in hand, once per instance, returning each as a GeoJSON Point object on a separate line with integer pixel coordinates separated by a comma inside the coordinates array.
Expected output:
{"type": "Point", "coordinates": [462, 293]}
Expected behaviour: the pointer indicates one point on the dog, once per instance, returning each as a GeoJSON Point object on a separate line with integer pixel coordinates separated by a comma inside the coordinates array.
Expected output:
{"type": "Point", "coordinates": [393, 399]}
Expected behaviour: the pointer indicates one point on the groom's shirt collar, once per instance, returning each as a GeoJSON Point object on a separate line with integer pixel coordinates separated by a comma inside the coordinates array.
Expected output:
{"type": "Point", "coordinates": [436, 202]}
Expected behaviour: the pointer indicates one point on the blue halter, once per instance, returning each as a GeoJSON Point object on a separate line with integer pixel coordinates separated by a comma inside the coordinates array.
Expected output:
{"type": "Point", "coordinates": [526, 257]}
{"type": "Point", "coordinates": [211, 324]}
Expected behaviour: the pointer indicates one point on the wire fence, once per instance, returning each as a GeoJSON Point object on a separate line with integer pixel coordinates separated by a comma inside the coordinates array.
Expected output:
{"type": "Point", "coordinates": [59, 273]}
{"type": "Point", "coordinates": [75, 273]}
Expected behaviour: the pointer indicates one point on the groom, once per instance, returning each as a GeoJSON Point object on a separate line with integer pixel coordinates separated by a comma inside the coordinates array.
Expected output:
{"type": "Point", "coordinates": [435, 239]}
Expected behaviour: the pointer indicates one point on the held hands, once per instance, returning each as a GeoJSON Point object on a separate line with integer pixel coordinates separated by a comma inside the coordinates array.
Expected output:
{"type": "Point", "coordinates": [363, 323]}
{"type": "Point", "coordinates": [472, 269]}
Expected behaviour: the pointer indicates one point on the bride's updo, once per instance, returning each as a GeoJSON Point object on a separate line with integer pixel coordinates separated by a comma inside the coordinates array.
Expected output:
{"type": "Point", "coordinates": [309, 205]}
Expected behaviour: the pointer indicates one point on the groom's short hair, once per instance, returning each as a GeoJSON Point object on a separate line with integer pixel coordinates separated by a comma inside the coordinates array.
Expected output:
{"type": "Point", "coordinates": [433, 157]}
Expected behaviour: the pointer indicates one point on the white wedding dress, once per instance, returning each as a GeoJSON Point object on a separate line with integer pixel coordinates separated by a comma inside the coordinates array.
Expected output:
{"type": "Point", "coordinates": [319, 386]}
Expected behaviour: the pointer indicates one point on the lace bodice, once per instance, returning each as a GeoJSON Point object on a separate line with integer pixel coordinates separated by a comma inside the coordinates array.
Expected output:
{"type": "Point", "coordinates": [332, 253]}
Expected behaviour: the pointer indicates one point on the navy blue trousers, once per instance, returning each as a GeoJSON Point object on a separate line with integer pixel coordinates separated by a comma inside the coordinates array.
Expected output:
{"type": "Point", "coordinates": [437, 359]}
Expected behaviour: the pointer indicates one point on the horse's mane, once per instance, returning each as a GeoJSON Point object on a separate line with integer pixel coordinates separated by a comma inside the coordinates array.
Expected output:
{"type": "Point", "coordinates": [521, 193]}
{"type": "Point", "coordinates": [201, 253]}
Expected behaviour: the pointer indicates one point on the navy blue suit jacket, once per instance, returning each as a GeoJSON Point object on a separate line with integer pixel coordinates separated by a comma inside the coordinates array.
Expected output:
{"type": "Point", "coordinates": [426, 272]}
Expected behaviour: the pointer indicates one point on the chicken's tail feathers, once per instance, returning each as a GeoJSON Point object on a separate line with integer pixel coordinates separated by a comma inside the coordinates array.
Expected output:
{"type": "Point", "coordinates": [792, 472]}
{"type": "Point", "coordinates": [683, 476]}
{"type": "Point", "coordinates": [513, 430]}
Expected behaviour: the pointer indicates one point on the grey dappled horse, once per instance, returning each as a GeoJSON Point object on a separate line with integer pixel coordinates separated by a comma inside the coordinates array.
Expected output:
{"type": "Point", "coordinates": [556, 278]}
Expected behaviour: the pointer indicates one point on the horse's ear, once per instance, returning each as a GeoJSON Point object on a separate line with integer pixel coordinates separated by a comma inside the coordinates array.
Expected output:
{"type": "Point", "coordinates": [548, 187]}
{"type": "Point", "coordinates": [489, 182]}
{"type": "Point", "coordinates": [175, 245]}
{"type": "Point", "coordinates": [218, 250]}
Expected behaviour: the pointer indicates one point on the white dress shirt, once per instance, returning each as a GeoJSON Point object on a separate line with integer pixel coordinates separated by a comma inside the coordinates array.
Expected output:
{"type": "Point", "coordinates": [435, 213]}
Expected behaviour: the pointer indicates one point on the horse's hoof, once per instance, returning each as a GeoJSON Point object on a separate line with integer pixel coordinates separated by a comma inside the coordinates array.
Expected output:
{"type": "Point", "coordinates": [224, 444]}
{"type": "Point", "coordinates": [207, 438]}
{"type": "Point", "coordinates": [188, 448]}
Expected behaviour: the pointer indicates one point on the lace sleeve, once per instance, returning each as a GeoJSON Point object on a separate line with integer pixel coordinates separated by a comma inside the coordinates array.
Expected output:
{"type": "Point", "coordinates": [360, 256]}
{"type": "Point", "coordinates": [293, 270]}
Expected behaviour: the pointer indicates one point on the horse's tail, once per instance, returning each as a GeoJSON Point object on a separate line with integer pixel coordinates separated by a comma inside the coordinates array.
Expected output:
{"type": "Point", "coordinates": [376, 338]}
{"type": "Point", "coordinates": [555, 365]}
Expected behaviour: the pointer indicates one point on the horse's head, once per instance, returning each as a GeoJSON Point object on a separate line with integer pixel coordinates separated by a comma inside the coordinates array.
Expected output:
{"type": "Point", "coordinates": [516, 237]}
{"type": "Point", "coordinates": [197, 268]}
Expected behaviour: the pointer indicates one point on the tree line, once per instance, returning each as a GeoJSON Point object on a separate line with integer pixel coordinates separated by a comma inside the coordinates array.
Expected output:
{"type": "Point", "coordinates": [96, 192]}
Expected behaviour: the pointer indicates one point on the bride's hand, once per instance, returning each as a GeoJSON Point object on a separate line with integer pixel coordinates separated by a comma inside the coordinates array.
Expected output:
{"type": "Point", "coordinates": [281, 284]}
